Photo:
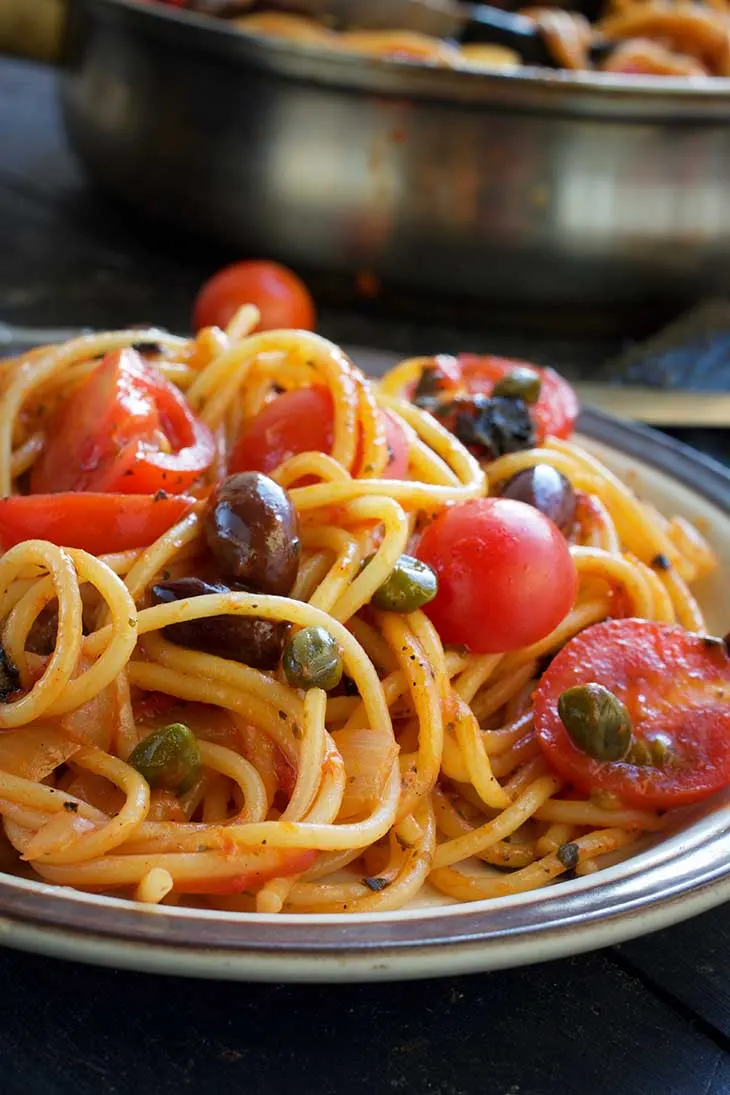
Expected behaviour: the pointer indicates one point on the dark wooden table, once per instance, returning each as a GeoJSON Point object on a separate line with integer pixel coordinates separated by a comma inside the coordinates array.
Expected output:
{"type": "Point", "coordinates": [648, 1018]}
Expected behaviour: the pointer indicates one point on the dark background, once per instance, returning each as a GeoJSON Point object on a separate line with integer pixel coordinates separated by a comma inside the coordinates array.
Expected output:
{"type": "Point", "coordinates": [648, 1017]}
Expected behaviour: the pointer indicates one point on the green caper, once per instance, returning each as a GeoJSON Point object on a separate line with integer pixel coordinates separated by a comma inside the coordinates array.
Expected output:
{"type": "Point", "coordinates": [168, 758]}
{"type": "Point", "coordinates": [596, 720]}
{"type": "Point", "coordinates": [312, 659]}
{"type": "Point", "coordinates": [411, 584]}
{"type": "Point", "coordinates": [521, 383]}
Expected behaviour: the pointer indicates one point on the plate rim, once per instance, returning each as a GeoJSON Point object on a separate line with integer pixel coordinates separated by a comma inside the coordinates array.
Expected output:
{"type": "Point", "coordinates": [677, 878]}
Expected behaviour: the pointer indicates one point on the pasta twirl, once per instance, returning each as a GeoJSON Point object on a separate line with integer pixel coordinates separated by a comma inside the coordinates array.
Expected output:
{"type": "Point", "coordinates": [425, 767]}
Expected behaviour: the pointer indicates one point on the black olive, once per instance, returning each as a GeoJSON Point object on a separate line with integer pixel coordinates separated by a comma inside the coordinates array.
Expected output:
{"type": "Point", "coordinates": [247, 639]}
{"type": "Point", "coordinates": [546, 489]}
{"type": "Point", "coordinates": [492, 427]}
{"type": "Point", "coordinates": [252, 529]}
{"type": "Point", "coordinates": [9, 679]}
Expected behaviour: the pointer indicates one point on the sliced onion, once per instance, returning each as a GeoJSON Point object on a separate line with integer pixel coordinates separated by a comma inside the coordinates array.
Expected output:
{"type": "Point", "coordinates": [368, 757]}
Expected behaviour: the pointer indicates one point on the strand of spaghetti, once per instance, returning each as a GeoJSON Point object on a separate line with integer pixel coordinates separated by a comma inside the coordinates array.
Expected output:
{"type": "Point", "coordinates": [376, 649]}
{"type": "Point", "coordinates": [617, 570]}
{"type": "Point", "coordinates": [452, 824]}
{"type": "Point", "coordinates": [197, 664]}
{"type": "Point", "coordinates": [311, 756]}
{"type": "Point", "coordinates": [153, 677]}
{"type": "Point", "coordinates": [639, 534]}
{"type": "Point", "coordinates": [345, 564]}
{"type": "Point", "coordinates": [502, 739]}
{"type": "Point", "coordinates": [453, 851]}
{"type": "Point", "coordinates": [123, 637]}
{"type": "Point", "coordinates": [477, 672]}
{"type": "Point", "coordinates": [522, 751]}
{"type": "Point", "coordinates": [357, 664]}
{"type": "Point", "coordinates": [154, 558]}
{"type": "Point", "coordinates": [475, 756]}
{"type": "Point", "coordinates": [688, 612]}
{"type": "Point", "coordinates": [410, 879]}
{"type": "Point", "coordinates": [45, 799]}
{"type": "Point", "coordinates": [553, 837]}
{"type": "Point", "coordinates": [583, 615]}
{"type": "Point", "coordinates": [324, 809]}
{"type": "Point", "coordinates": [327, 362]}
{"type": "Point", "coordinates": [312, 572]}
{"type": "Point", "coordinates": [24, 457]}
{"type": "Point", "coordinates": [154, 886]}
{"type": "Point", "coordinates": [317, 464]}
{"type": "Point", "coordinates": [596, 525]}
{"type": "Point", "coordinates": [443, 443]}
{"type": "Point", "coordinates": [663, 610]}
{"type": "Point", "coordinates": [588, 814]}
{"type": "Point", "coordinates": [190, 871]}
{"type": "Point", "coordinates": [160, 837]}
{"type": "Point", "coordinates": [536, 875]}
{"type": "Point", "coordinates": [412, 660]}
{"type": "Point", "coordinates": [380, 567]}
{"type": "Point", "coordinates": [101, 841]}
{"type": "Point", "coordinates": [243, 774]}
{"type": "Point", "coordinates": [374, 444]}
{"type": "Point", "coordinates": [490, 699]}
{"type": "Point", "coordinates": [62, 662]}
{"type": "Point", "coordinates": [125, 727]}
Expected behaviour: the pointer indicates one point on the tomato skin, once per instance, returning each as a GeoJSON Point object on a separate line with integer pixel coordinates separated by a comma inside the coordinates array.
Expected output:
{"type": "Point", "coordinates": [106, 436]}
{"type": "Point", "coordinates": [275, 863]}
{"type": "Point", "coordinates": [505, 573]}
{"type": "Point", "coordinates": [674, 684]}
{"type": "Point", "coordinates": [98, 523]}
{"type": "Point", "coordinates": [281, 297]}
{"type": "Point", "coordinates": [557, 409]}
{"type": "Point", "coordinates": [302, 420]}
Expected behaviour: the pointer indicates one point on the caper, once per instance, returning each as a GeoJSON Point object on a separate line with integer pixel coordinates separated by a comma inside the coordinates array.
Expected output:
{"type": "Point", "coordinates": [597, 721]}
{"type": "Point", "coordinates": [252, 640]}
{"type": "Point", "coordinates": [411, 584]}
{"type": "Point", "coordinates": [312, 659]}
{"type": "Point", "coordinates": [252, 529]}
{"type": "Point", "coordinates": [545, 488]}
{"type": "Point", "coordinates": [520, 383]}
{"type": "Point", "coordinates": [168, 758]}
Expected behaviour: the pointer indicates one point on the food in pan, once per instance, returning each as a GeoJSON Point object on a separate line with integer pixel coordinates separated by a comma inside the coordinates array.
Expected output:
{"type": "Point", "coordinates": [652, 37]}
{"type": "Point", "coordinates": [278, 637]}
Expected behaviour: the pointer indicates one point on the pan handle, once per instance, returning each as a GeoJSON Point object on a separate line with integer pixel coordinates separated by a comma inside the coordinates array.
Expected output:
{"type": "Point", "coordinates": [32, 28]}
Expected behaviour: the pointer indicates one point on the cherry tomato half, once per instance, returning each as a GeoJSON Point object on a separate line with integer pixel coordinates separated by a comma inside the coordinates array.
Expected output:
{"type": "Point", "coordinates": [506, 578]}
{"type": "Point", "coordinates": [113, 433]}
{"type": "Point", "coordinates": [556, 410]}
{"type": "Point", "coordinates": [302, 420]}
{"type": "Point", "coordinates": [676, 686]}
{"type": "Point", "coordinates": [98, 523]}
{"type": "Point", "coordinates": [282, 298]}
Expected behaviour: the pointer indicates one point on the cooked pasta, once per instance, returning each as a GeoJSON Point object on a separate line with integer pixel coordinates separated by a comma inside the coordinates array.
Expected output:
{"type": "Point", "coordinates": [651, 38]}
{"type": "Point", "coordinates": [147, 751]}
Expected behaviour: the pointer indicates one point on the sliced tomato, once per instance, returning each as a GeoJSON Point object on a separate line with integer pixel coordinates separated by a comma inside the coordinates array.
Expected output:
{"type": "Point", "coordinates": [556, 410]}
{"type": "Point", "coordinates": [506, 578]}
{"type": "Point", "coordinates": [676, 686]}
{"type": "Point", "coordinates": [98, 523]}
{"type": "Point", "coordinates": [114, 432]}
{"type": "Point", "coordinates": [302, 420]}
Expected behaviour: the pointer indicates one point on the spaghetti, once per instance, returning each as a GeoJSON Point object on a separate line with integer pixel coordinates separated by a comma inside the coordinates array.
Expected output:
{"type": "Point", "coordinates": [430, 765]}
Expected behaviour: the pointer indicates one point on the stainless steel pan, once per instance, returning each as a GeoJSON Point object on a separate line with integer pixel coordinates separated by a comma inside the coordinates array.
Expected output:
{"type": "Point", "coordinates": [542, 187]}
